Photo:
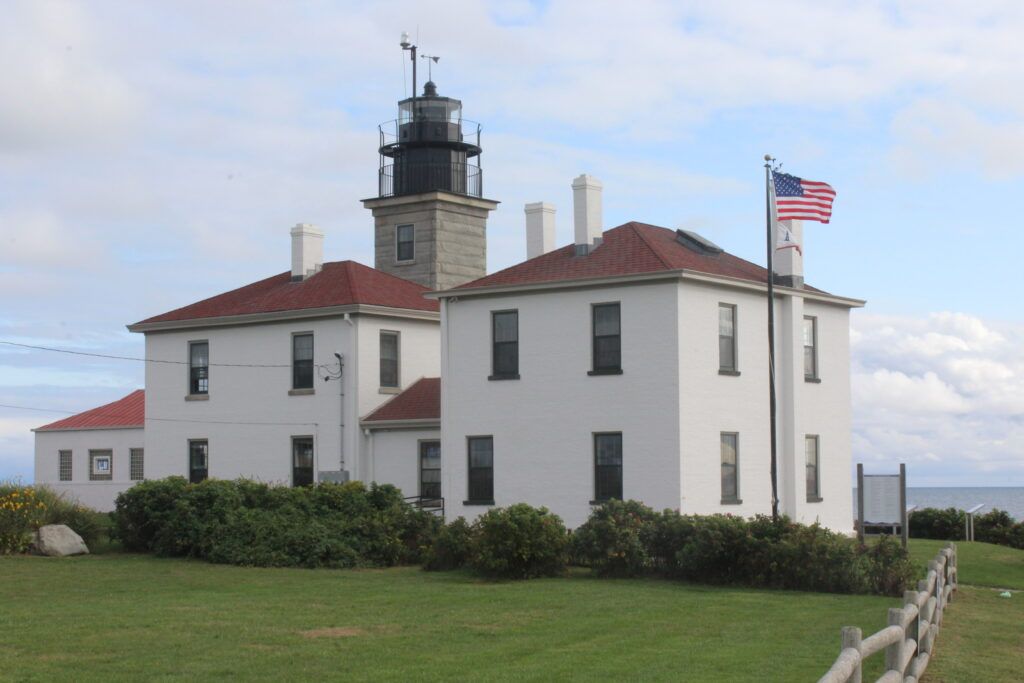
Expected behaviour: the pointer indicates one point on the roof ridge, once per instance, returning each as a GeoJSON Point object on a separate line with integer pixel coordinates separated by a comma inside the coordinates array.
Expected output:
{"type": "Point", "coordinates": [639, 233]}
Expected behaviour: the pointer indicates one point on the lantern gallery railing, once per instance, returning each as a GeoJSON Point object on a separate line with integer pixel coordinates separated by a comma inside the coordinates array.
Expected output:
{"type": "Point", "coordinates": [412, 178]}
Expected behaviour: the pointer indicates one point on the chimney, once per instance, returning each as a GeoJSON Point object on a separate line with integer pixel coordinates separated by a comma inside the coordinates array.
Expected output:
{"type": "Point", "coordinates": [307, 251]}
{"type": "Point", "coordinates": [788, 260]}
{"type": "Point", "coordinates": [586, 213]}
{"type": "Point", "coordinates": [540, 228]}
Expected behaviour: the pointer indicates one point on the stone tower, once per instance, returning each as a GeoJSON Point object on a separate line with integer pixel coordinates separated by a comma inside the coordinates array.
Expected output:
{"type": "Point", "coordinates": [430, 217]}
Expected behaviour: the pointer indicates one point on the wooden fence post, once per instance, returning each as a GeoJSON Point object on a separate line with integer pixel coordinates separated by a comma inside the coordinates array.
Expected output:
{"type": "Point", "coordinates": [893, 652]}
{"type": "Point", "coordinates": [852, 638]}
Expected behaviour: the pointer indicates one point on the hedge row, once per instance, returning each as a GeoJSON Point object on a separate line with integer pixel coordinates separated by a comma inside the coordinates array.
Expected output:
{"type": "Point", "coordinates": [630, 539]}
{"type": "Point", "coordinates": [249, 523]}
{"type": "Point", "coordinates": [949, 525]}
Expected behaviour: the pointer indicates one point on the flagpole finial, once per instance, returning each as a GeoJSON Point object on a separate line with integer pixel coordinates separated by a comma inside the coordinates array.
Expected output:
{"type": "Point", "coordinates": [769, 158]}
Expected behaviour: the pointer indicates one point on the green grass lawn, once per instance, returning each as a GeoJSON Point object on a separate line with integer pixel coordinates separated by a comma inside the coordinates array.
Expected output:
{"type": "Point", "coordinates": [118, 616]}
{"type": "Point", "coordinates": [982, 636]}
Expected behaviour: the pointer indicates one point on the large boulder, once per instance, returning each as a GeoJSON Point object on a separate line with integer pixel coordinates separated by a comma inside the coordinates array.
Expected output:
{"type": "Point", "coordinates": [58, 540]}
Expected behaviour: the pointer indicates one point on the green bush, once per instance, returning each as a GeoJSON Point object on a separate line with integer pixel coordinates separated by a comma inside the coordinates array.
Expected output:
{"type": "Point", "coordinates": [248, 522]}
{"type": "Point", "coordinates": [614, 540]}
{"type": "Point", "coordinates": [450, 548]}
{"type": "Point", "coordinates": [941, 525]}
{"type": "Point", "coordinates": [810, 558]}
{"type": "Point", "coordinates": [143, 510]}
{"type": "Point", "coordinates": [998, 527]}
{"type": "Point", "coordinates": [519, 542]}
{"type": "Point", "coordinates": [46, 507]}
{"type": "Point", "coordinates": [887, 567]}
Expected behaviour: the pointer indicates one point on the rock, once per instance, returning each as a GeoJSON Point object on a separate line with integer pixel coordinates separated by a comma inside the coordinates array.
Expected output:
{"type": "Point", "coordinates": [58, 540]}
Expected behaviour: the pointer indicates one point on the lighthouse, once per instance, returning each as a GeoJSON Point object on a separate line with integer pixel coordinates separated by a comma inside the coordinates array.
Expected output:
{"type": "Point", "coordinates": [430, 215]}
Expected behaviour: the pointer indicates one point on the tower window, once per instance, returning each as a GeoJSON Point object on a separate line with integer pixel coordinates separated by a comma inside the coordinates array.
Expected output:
{"type": "Point", "coordinates": [404, 244]}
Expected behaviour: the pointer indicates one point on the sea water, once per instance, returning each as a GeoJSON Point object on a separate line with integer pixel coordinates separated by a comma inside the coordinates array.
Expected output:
{"type": "Point", "coordinates": [1008, 498]}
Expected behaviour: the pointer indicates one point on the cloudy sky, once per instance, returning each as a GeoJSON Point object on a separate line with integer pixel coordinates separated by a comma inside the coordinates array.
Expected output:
{"type": "Point", "coordinates": [152, 154]}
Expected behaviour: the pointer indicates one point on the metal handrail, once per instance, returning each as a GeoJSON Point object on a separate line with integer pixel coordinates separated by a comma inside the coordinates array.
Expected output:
{"type": "Point", "coordinates": [458, 178]}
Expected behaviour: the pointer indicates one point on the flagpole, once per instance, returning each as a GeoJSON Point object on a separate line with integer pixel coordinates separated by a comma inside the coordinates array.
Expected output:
{"type": "Point", "coordinates": [771, 333]}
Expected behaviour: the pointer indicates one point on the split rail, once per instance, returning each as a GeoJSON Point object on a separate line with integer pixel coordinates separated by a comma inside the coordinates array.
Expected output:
{"type": "Point", "coordinates": [909, 639]}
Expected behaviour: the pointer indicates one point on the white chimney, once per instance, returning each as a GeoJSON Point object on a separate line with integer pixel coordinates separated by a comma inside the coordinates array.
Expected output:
{"type": "Point", "coordinates": [307, 250]}
{"type": "Point", "coordinates": [540, 228]}
{"type": "Point", "coordinates": [788, 260]}
{"type": "Point", "coordinates": [586, 212]}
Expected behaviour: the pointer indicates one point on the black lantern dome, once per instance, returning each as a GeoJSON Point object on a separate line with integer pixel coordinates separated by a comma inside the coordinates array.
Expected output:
{"type": "Point", "coordinates": [430, 147]}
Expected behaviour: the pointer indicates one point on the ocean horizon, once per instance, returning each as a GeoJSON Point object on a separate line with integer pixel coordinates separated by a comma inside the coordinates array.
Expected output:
{"type": "Point", "coordinates": [1008, 498]}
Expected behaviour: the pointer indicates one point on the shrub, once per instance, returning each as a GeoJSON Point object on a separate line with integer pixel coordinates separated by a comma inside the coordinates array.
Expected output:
{"type": "Point", "coordinates": [450, 548]}
{"type": "Point", "coordinates": [614, 541]}
{"type": "Point", "coordinates": [942, 525]}
{"type": "Point", "coordinates": [519, 542]}
{"type": "Point", "coordinates": [21, 513]}
{"type": "Point", "coordinates": [198, 515]}
{"type": "Point", "coordinates": [717, 550]}
{"type": "Point", "coordinates": [143, 510]}
{"type": "Point", "coordinates": [998, 527]}
{"type": "Point", "coordinates": [811, 558]}
{"type": "Point", "coordinates": [888, 569]}
{"type": "Point", "coordinates": [283, 537]}
{"type": "Point", "coordinates": [670, 532]}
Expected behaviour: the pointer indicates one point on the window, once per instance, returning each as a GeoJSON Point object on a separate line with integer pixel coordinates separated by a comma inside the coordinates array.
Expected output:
{"type": "Point", "coordinates": [810, 348]}
{"type": "Point", "coordinates": [813, 480]}
{"type": "Point", "coordinates": [199, 368]}
{"type": "Point", "coordinates": [607, 466]}
{"type": "Point", "coordinates": [505, 345]}
{"type": "Point", "coordinates": [302, 461]}
{"type": "Point", "coordinates": [389, 359]}
{"type": "Point", "coordinates": [198, 460]}
{"type": "Point", "coordinates": [607, 342]}
{"type": "Point", "coordinates": [302, 361]}
{"type": "Point", "coordinates": [726, 338]}
{"type": "Point", "coordinates": [730, 468]}
{"type": "Point", "coordinates": [136, 469]}
{"type": "Point", "coordinates": [404, 245]}
{"type": "Point", "coordinates": [481, 469]}
{"type": "Point", "coordinates": [430, 470]}
{"type": "Point", "coordinates": [101, 465]}
{"type": "Point", "coordinates": [64, 465]}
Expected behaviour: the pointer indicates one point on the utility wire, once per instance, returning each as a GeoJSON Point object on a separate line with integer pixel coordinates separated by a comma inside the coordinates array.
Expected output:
{"type": "Point", "coordinates": [144, 360]}
{"type": "Point", "coordinates": [163, 419]}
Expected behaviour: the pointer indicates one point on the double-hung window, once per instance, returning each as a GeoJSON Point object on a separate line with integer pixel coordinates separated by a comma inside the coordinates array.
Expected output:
{"type": "Point", "coordinates": [198, 460]}
{"type": "Point", "coordinates": [481, 469]}
{"type": "Point", "coordinates": [607, 339]}
{"type": "Point", "coordinates": [727, 339]}
{"type": "Point", "coordinates": [607, 466]}
{"type": "Point", "coordinates": [389, 360]}
{"type": "Point", "coordinates": [136, 464]}
{"type": "Point", "coordinates": [430, 471]}
{"type": "Point", "coordinates": [810, 348]}
{"type": "Point", "coordinates": [64, 465]}
{"type": "Point", "coordinates": [505, 345]}
{"type": "Point", "coordinates": [302, 361]}
{"type": "Point", "coordinates": [198, 368]}
{"type": "Point", "coordinates": [730, 467]}
{"type": "Point", "coordinates": [302, 460]}
{"type": "Point", "coordinates": [405, 249]}
{"type": "Point", "coordinates": [812, 455]}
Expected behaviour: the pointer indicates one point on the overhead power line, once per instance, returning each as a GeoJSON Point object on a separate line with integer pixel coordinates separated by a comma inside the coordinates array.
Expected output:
{"type": "Point", "coordinates": [144, 360]}
{"type": "Point", "coordinates": [166, 419]}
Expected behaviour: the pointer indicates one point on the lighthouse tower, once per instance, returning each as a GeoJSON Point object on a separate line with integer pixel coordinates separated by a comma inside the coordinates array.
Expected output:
{"type": "Point", "coordinates": [430, 216]}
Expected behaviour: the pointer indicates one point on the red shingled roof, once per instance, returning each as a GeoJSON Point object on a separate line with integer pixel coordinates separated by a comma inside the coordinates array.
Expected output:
{"type": "Point", "coordinates": [421, 401]}
{"type": "Point", "coordinates": [129, 411]}
{"type": "Point", "coordinates": [338, 284]}
{"type": "Point", "coordinates": [630, 249]}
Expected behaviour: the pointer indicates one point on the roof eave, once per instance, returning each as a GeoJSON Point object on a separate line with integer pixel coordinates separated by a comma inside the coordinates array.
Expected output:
{"type": "Point", "coordinates": [289, 314]}
{"type": "Point", "coordinates": [86, 429]}
{"type": "Point", "coordinates": [416, 423]}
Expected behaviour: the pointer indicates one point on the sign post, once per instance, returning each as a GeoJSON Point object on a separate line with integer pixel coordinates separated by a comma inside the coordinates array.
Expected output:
{"type": "Point", "coordinates": [882, 501]}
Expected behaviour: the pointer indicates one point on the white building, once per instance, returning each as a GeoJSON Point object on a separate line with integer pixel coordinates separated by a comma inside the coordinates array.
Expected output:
{"type": "Point", "coordinates": [632, 363]}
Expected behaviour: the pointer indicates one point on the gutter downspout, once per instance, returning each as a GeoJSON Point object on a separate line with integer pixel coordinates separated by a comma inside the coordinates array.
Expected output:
{"type": "Point", "coordinates": [341, 436]}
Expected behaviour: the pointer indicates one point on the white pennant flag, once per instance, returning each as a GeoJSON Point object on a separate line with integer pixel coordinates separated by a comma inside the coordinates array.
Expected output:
{"type": "Point", "coordinates": [787, 241]}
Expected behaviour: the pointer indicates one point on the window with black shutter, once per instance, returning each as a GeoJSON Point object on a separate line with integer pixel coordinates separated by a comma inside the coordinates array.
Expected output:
{"type": "Point", "coordinates": [607, 466]}
{"type": "Point", "coordinates": [481, 469]}
{"type": "Point", "coordinates": [607, 349]}
{"type": "Point", "coordinates": [302, 361]}
{"type": "Point", "coordinates": [505, 345]}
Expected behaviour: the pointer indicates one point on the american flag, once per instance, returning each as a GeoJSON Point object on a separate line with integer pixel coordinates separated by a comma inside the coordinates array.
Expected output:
{"type": "Point", "coordinates": [799, 199]}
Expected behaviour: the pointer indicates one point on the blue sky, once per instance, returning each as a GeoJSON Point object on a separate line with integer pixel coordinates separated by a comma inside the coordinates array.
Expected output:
{"type": "Point", "coordinates": [152, 155]}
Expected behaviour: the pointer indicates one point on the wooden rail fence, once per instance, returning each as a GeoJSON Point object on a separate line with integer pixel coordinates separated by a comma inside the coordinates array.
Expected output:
{"type": "Point", "coordinates": [909, 639]}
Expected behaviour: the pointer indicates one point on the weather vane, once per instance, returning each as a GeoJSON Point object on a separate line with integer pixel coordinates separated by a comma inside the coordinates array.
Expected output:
{"type": "Point", "coordinates": [431, 60]}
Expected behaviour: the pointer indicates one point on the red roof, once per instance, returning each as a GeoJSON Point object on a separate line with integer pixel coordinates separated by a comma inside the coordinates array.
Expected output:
{"type": "Point", "coordinates": [129, 411]}
{"type": "Point", "coordinates": [630, 249]}
{"type": "Point", "coordinates": [338, 284]}
{"type": "Point", "coordinates": [421, 401]}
